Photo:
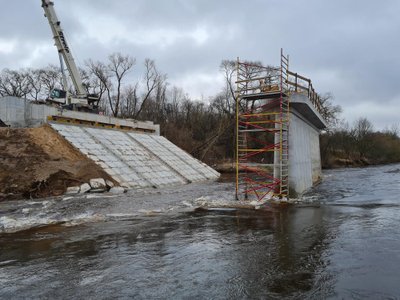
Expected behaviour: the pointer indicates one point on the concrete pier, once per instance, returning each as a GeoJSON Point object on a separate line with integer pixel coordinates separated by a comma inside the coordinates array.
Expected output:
{"type": "Point", "coordinates": [304, 155]}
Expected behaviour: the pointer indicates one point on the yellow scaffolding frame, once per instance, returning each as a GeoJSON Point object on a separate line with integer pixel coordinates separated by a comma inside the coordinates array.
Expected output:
{"type": "Point", "coordinates": [262, 101]}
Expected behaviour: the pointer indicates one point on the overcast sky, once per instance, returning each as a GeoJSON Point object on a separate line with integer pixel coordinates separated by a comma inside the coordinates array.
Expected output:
{"type": "Point", "coordinates": [348, 48]}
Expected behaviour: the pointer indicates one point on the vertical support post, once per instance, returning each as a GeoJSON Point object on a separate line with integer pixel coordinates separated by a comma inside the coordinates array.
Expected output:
{"type": "Point", "coordinates": [277, 137]}
{"type": "Point", "coordinates": [237, 128]}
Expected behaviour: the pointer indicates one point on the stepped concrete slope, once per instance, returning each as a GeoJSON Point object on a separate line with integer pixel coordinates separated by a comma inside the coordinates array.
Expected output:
{"type": "Point", "coordinates": [136, 160]}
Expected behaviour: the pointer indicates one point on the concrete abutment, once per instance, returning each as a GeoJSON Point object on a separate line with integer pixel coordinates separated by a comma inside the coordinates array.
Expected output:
{"type": "Point", "coordinates": [304, 155]}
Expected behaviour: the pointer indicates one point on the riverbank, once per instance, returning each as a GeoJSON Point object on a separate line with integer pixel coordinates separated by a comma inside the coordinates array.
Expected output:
{"type": "Point", "coordinates": [37, 163]}
{"type": "Point", "coordinates": [338, 163]}
{"type": "Point", "coordinates": [19, 215]}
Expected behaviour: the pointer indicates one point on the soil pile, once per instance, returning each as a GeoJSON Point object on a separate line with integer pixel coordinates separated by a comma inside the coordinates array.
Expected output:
{"type": "Point", "coordinates": [37, 162]}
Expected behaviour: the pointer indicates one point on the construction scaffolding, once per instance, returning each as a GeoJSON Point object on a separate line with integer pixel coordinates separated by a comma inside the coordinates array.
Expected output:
{"type": "Point", "coordinates": [262, 131]}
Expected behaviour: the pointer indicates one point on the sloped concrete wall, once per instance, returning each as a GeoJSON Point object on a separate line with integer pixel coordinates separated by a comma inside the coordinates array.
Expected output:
{"type": "Point", "coordinates": [136, 160]}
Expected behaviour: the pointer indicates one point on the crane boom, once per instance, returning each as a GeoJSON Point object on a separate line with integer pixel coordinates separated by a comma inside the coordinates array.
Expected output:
{"type": "Point", "coordinates": [63, 48]}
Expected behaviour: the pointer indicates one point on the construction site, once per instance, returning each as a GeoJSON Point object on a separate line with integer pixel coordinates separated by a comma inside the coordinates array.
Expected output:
{"type": "Point", "coordinates": [180, 153]}
{"type": "Point", "coordinates": [277, 151]}
{"type": "Point", "coordinates": [64, 143]}
{"type": "Point", "coordinates": [71, 147]}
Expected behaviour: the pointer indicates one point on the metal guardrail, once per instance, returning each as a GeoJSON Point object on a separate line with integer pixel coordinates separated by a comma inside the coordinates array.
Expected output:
{"type": "Point", "coordinates": [259, 79]}
{"type": "Point", "coordinates": [301, 84]}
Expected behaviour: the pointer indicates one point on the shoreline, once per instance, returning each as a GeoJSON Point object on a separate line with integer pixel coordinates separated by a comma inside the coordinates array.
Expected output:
{"type": "Point", "coordinates": [21, 215]}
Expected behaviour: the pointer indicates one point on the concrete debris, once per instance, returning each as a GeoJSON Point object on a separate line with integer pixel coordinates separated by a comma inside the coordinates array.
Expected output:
{"type": "Point", "coordinates": [84, 188]}
{"type": "Point", "coordinates": [67, 198]}
{"type": "Point", "coordinates": [210, 203]}
{"type": "Point", "coordinates": [98, 183]}
{"type": "Point", "coordinates": [117, 190]}
{"type": "Point", "coordinates": [110, 184]}
{"type": "Point", "coordinates": [73, 190]}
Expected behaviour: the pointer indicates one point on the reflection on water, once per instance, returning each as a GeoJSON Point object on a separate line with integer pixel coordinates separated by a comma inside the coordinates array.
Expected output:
{"type": "Point", "coordinates": [343, 245]}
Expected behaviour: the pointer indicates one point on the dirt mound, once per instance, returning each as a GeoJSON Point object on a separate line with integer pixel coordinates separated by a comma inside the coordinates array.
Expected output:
{"type": "Point", "coordinates": [37, 162]}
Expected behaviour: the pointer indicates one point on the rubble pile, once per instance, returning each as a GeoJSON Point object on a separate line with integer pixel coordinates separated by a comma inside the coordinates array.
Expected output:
{"type": "Point", "coordinates": [96, 185]}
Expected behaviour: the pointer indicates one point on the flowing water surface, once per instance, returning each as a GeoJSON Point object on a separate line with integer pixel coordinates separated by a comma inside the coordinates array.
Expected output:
{"type": "Point", "coordinates": [342, 242]}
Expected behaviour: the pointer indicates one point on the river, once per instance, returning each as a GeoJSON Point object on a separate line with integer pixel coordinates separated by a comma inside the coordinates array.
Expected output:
{"type": "Point", "coordinates": [343, 242]}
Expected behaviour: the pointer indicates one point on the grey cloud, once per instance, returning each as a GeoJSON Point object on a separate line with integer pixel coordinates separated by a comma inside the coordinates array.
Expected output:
{"type": "Point", "coordinates": [349, 48]}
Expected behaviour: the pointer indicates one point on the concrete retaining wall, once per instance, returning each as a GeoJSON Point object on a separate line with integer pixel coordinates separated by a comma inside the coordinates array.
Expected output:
{"type": "Point", "coordinates": [18, 112]}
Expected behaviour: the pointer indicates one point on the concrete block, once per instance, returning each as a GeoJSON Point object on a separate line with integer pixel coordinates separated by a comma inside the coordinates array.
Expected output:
{"type": "Point", "coordinates": [98, 183]}
{"type": "Point", "coordinates": [117, 190]}
{"type": "Point", "coordinates": [84, 188]}
{"type": "Point", "coordinates": [109, 184]}
{"type": "Point", "coordinates": [73, 190]}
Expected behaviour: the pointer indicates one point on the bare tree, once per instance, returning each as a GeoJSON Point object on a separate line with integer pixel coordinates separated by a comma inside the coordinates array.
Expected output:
{"type": "Point", "coordinates": [249, 70]}
{"type": "Point", "coordinates": [119, 65]}
{"type": "Point", "coordinates": [35, 82]}
{"type": "Point", "coordinates": [111, 77]}
{"type": "Point", "coordinates": [173, 102]}
{"type": "Point", "coordinates": [92, 83]}
{"type": "Point", "coordinates": [50, 78]}
{"type": "Point", "coordinates": [129, 101]}
{"type": "Point", "coordinates": [228, 69]}
{"type": "Point", "coordinates": [15, 83]}
{"type": "Point", "coordinates": [363, 129]}
{"type": "Point", "coordinates": [329, 111]}
{"type": "Point", "coordinates": [152, 79]}
{"type": "Point", "coordinates": [393, 130]}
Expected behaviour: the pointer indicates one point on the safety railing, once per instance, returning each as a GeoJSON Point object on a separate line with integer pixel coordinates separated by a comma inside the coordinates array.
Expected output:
{"type": "Point", "coordinates": [254, 78]}
{"type": "Point", "coordinates": [303, 85]}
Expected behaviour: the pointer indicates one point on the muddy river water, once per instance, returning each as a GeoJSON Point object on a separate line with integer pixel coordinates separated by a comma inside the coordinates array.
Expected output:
{"type": "Point", "coordinates": [342, 242]}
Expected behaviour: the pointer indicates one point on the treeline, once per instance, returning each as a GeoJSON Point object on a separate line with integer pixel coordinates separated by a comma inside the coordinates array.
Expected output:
{"type": "Point", "coordinates": [205, 129]}
{"type": "Point", "coordinates": [359, 145]}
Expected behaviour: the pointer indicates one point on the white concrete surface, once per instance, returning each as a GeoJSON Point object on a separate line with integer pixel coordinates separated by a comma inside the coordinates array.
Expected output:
{"type": "Point", "coordinates": [171, 159]}
{"type": "Point", "coordinates": [302, 105]}
{"type": "Point", "coordinates": [136, 160]}
{"type": "Point", "coordinates": [304, 153]}
{"type": "Point", "coordinates": [18, 112]}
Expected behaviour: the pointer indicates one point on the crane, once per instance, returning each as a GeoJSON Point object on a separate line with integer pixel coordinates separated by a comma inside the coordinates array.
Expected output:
{"type": "Point", "coordinates": [81, 100]}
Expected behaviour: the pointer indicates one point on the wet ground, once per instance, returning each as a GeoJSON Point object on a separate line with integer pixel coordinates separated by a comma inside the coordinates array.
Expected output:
{"type": "Point", "coordinates": [342, 243]}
